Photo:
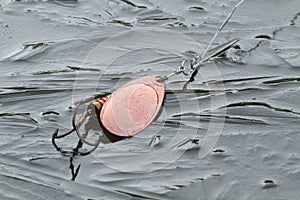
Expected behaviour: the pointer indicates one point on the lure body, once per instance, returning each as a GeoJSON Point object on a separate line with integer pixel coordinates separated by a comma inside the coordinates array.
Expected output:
{"type": "Point", "coordinates": [98, 103]}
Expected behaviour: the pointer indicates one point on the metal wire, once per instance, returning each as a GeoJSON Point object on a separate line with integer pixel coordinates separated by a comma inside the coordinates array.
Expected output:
{"type": "Point", "coordinates": [196, 63]}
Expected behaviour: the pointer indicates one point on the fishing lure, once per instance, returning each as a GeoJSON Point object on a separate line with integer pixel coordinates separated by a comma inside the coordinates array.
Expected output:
{"type": "Point", "coordinates": [131, 108]}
